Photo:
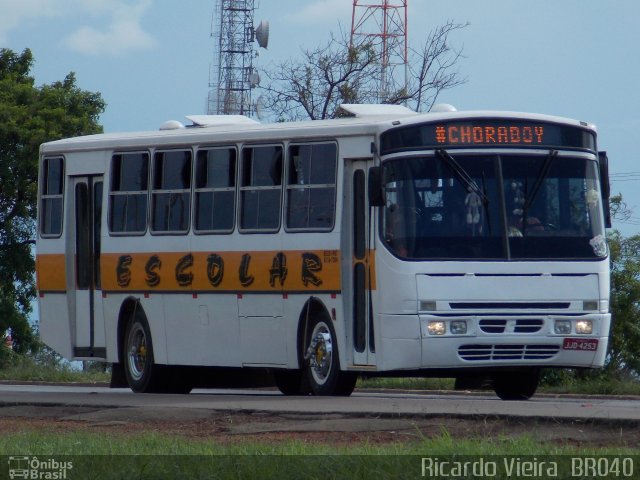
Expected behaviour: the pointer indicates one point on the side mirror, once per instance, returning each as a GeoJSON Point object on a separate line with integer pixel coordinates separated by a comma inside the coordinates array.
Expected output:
{"type": "Point", "coordinates": [605, 187]}
{"type": "Point", "coordinates": [376, 198]}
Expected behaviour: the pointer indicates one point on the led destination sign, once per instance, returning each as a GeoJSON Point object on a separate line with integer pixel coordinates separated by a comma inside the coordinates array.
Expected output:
{"type": "Point", "coordinates": [487, 133]}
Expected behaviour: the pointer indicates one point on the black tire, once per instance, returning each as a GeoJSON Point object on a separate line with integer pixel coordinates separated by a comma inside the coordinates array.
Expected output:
{"type": "Point", "coordinates": [520, 385]}
{"type": "Point", "coordinates": [142, 374]}
{"type": "Point", "coordinates": [118, 378]}
{"type": "Point", "coordinates": [178, 380]}
{"type": "Point", "coordinates": [292, 382]}
{"type": "Point", "coordinates": [323, 361]}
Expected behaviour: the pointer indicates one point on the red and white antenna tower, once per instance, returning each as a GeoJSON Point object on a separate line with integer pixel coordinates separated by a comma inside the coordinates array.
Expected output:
{"type": "Point", "coordinates": [383, 25]}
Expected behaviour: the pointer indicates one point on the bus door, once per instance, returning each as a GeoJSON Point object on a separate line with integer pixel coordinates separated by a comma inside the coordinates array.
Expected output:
{"type": "Point", "coordinates": [357, 276]}
{"type": "Point", "coordinates": [89, 338]}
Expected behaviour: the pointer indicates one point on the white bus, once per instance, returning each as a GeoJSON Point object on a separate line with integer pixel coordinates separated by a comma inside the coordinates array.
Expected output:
{"type": "Point", "coordinates": [384, 243]}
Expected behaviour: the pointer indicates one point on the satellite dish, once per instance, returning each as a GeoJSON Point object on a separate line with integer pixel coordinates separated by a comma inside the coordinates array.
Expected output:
{"type": "Point", "coordinates": [259, 107]}
{"type": "Point", "coordinates": [254, 79]}
{"type": "Point", "coordinates": [262, 34]}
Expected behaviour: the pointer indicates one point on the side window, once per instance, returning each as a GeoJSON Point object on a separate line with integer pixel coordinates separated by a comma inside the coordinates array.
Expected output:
{"type": "Point", "coordinates": [51, 197]}
{"type": "Point", "coordinates": [171, 192]}
{"type": "Point", "coordinates": [215, 194]}
{"type": "Point", "coordinates": [311, 187]}
{"type": "Point", "coordinates": [261, 188]}
{"type": "Point", "coordinates": [128, 196]}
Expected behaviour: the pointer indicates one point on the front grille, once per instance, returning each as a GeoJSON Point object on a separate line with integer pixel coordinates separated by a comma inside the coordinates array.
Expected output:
{"type": "Point", "coordinates": [507, 352]}
{"type": "Point", "coordinates": [496, 325]}
{"type": "Point", "coordinates": [510, 305]}
{"type": "Point", "coordinates": [528, 326]}
{"type": "Point", "coordinates": [493, 326]}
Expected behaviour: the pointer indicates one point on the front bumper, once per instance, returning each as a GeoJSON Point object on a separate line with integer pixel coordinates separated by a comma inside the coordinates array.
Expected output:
{"type": "Point", "coordinates": [490, 341]}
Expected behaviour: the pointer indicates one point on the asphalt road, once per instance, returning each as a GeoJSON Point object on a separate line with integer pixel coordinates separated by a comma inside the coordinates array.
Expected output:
{"type": "Point", "coordinates": [366, 403]}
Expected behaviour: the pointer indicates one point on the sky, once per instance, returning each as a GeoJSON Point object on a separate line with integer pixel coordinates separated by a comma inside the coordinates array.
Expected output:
{"type": "Point", "coordinates": [150, 59]}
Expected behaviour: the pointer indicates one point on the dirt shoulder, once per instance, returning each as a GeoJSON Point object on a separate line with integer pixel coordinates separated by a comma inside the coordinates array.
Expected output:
{"type": "Point", "coordinates": [335, 429]}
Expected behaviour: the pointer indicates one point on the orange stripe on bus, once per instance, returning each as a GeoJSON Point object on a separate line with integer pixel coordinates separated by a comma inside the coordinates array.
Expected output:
{"type": "Point", "coordinates": [51, 273]}
{"type": "Point", "coordinates": [270, 271]}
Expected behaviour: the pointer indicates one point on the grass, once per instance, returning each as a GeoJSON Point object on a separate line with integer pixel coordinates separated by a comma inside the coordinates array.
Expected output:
{"type": "Point", "coordinates": [407, 383]}
{"type": "Point", "coordinates": [82, 442]}
{"type": "Point", "coordinates": [30, 442]}
{"type": "Point", "coordinates": [562, 382]}
{"type": "Point", "coordinates": [596, 385]}
{"type": "Point", "coordinates": [151, 455]}
{"type": "Point", "coordinates": [47, 368]}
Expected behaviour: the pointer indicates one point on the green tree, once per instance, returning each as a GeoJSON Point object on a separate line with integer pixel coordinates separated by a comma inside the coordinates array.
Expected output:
{"type": "Point", "coordinates": [624, 341]}
{"type": "Point", "coordinates": [29, 116]}
{"type": "Point", "coordinates": [624, 255]}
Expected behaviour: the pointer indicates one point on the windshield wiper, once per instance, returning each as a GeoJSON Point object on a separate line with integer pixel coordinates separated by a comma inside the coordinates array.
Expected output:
{"type": "Point", "coordinates": [462, 175]}
{"type": "Point", "coordinates": [542, 175]}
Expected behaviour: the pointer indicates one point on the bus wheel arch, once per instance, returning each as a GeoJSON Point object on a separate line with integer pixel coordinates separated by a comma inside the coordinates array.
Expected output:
{"type": "Point", "coordinates": [118, 377]}
{"type": "Point", "coordinates": [319, 354]}
{"type": "Point", "coordinates": [294, 381]}
{"type": "Point", "coordinates": [124, 317]}
{"type": "Point", "coordinates": [135, 350]}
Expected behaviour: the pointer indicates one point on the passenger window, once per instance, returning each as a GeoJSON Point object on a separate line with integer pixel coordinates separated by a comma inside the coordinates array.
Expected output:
{"type": "Point", "coordinates": [128, 197]}
{"type": "Point", "coordinates": [51, 197]}
{"type": "Point", "coordinates": [261, 189]}
{"type": "Point", "coordinates": [215, 194]}
{"type": "Point", "coordinates": [171, 193]}
{"type": "Point", "coordinates": [311, 187]}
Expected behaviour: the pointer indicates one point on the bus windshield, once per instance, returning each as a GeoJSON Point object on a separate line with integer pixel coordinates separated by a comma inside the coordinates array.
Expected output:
{"type": "Point", "coordinates": [488, 206]}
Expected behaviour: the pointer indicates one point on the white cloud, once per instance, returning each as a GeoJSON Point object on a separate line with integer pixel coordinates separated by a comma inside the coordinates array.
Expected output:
{"type": "Point", "coordinates": [122, 34]}
{"type": "Point", "coordinates": [97, 27]}
{"type": "Point", "coordinates": [16, 12]}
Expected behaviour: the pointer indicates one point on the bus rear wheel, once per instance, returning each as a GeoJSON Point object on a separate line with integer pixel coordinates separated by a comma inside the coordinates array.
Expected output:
{"type": "Point", "coordinates": [142, 373]}
{"type": "Point", "coordinates": [323, 363]}
{"type": "Point", "coordinates": [519, 385]}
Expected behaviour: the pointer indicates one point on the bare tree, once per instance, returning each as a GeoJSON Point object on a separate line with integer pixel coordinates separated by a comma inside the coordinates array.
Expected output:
{"type": "Point", "coordinates": [315, 85]}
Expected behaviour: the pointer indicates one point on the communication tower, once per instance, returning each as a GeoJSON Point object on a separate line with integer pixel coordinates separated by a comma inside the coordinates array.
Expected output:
{"type": "Point", "coordinates": [233, 75]}
{"type": "Point", "coordinates": [383, 25]}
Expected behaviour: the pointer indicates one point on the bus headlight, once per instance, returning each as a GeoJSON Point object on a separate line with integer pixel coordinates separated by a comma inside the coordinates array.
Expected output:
{"type": "Point", "coordinates": [436, 328]}
{"type": "Point", "coordinates": [458, 327]}
{"type": "Point", "coordinates": [562, 327]}
{"type": "Point", "coordinates": [584, 327]}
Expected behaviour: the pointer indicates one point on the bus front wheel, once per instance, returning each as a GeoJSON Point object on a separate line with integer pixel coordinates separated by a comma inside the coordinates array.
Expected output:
{"type": "Point", "coordinates": [518, 385]}
{"type": "Point", "coordinates": [291, 382]}
{"type": "Point", "coordinates": [323, 364]}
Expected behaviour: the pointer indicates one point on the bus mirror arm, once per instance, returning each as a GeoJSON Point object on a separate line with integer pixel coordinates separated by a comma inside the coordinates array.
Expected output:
{"type": "Point", "coordinates": [605, 187]}
{"type": "Point", "coordinates": [376, 198]}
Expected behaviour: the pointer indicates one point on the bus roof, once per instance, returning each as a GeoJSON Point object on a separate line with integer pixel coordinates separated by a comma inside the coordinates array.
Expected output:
{"type": "Point", "coordinates": [363, 120]}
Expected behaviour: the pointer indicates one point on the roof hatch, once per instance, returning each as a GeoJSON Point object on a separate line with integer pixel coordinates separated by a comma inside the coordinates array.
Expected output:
{"type": "Point", "coordinates": [376, 110]}
{"type": "Point", "coordinates": [217, 120]}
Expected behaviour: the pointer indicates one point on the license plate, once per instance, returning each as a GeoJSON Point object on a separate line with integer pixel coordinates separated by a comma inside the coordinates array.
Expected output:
{"type": "Point", "coordinates": [585, 344]}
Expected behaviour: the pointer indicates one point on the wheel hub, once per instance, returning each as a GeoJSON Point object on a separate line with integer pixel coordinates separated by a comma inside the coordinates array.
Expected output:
{"type": "Point", "coordinates": [137, 352]}
{"type": "Point", "coordinates": [321, 349]}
